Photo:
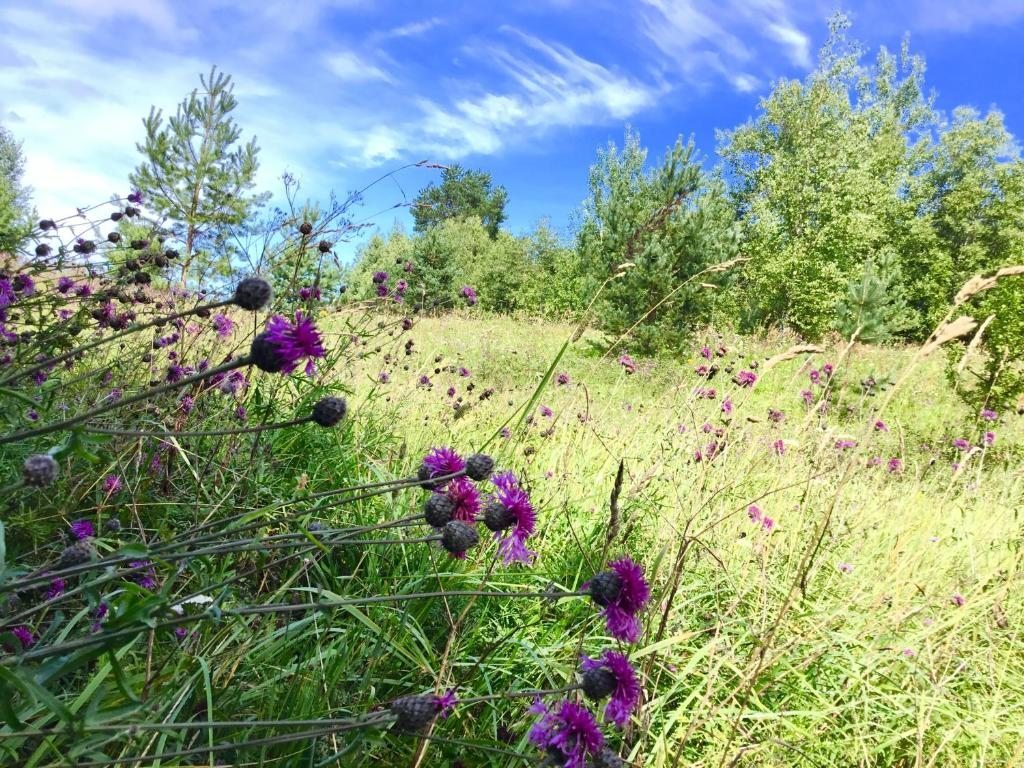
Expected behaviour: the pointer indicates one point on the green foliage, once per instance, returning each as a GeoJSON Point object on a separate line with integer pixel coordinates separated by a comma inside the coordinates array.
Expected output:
{"type": "Point", "coordinates": [822, 176]}
{"type": "Point", "coordinates": [195, 173]}
{"type": "Point", "coordinates": [670, 223]}
{"type": "Point", "coordinates": [462, 193]}
{"type": "Point", "coordinates": [560, 279]}
{"type": "Point", "coordinates": [874, 308]}
{"type": "Point", "coordinates": [15, 206]}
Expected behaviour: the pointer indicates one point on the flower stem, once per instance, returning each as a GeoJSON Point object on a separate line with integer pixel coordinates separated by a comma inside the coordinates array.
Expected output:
{"type": "Point", "coordinates": [200, 433]}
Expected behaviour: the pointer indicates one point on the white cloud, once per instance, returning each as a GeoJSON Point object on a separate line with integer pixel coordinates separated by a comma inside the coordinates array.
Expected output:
{"type": "Point", "coordinates": [414, 29]}
{"type": "Point", "coordinates": [798, 44]}
{"type": "Point", "coordinates": [348, 66]}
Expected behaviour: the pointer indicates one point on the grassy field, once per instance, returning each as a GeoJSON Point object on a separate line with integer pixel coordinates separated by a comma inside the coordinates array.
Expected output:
{"type": "Point", "coordinates": [876, 623]}
{"type": "Point", "coordinates": [835, 582]}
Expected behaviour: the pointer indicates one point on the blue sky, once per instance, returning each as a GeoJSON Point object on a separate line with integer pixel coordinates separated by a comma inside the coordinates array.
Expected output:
{"type": "Point", "coordinates": [339, 92]}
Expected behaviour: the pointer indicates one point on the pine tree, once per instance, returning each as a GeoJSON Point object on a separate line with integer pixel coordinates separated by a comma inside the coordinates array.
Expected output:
{"type": "Point", "coordinates": [14, 196]}
{"type": "Point", "coordinates": [195, 173]}
{"type": "Point", "coordinates": [461, 194]}
{"type": "Point", "coordinates": [873, 308]}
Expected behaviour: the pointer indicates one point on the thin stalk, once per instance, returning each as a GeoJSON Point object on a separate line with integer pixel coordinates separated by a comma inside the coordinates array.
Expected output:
{"type": "Point", "coordinates": [137, 398]}
{"type": "Point", "coordinates": [199, 433]}
{"type": "Point", "coordinates": [107, 339]}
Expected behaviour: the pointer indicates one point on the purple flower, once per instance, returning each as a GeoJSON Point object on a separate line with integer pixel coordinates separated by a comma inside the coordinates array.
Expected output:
{"type": "Point", "coordinates": [23, 284]}
{"type": "Point", "coordinates": [626, 694]}
{"type": "Point", "coordinates": [451, 391]}
{"type": "Point", "coordinates": [469, 295]}
{"type": "Point", "coordinates": [464, 372]}
{"type": "Point", "coordinates": [880, 426]}
{"type": "Point", "coordinates": [845, 444]}
{"type": "Point", "coordinates": [382, 290]}
{"type": "Point", "coordinates": [224, 325]}
{"type": "Point", "coordinates": [56, 588]}
{"type": "Point", "coordinates": [961, 444]}
{"type": "Point", "coordinates": [25, 637]}
{"type": "Point", "coordinates": [384, 377]}
{"type": "Point", "coordinates": [627, 362]}
{"type": "Point", "coordinates": [309, 292]}
{"type": "Point", "coordinates": [989, 415]}
{"type": "Point", "coordinates": [145, 578]}
{"type": "Point", "coordinates": [767, 523]}
{"type": "Point", "coordinates": [7, 296]}
{"type": "Point", "coordinates": [82, 529]}
{"type": "Point", "coordinates": [621, 611]}
{"type": "Point", "coordinates": [808, 397]}
{"type": "Point", "coordinates": [745, 378]}
{"type": "Point", "coordinates": [702, 371]}
{"type": "Point", "coordinates": [705, 352]}
{"type": "Point", "coordinates": [174, 373]}
{"type": "Point", "coordinates": [895, 466]}
{"type": "Point", "coordinates": [294, 342]}
{"type": "Point", "coordinates": [754, 513]}
{"type": "Point", "coordinates": [241, 414]}
{"type": "Point", "coordinates": [83, 291]}
{"type": "Point", "coordinates": [135, 197]}
{"type": "Point", "coordinates": [515, 501]}
{"type": "Point", "coordinates": [815, 377]}
{"type": "Point", "coordinates": [505, 433]}
{"type": "Point", "coordinates": [845, 568]}
{"type": "Point", "coordinates": [779, 446]}
{"type": "Point", "coordinates": [111, 484]}
{"type": "Point", "coordinates": [466, 498]}
{"type": "Point", "coordinates": [727, 406]}
{"type": "Point", "coordinates": [958, 600]}
{"type": "Point", "coordinates": [446, 702]}
{"type": "Point", "coordinates": [380, 277]}
{"type": "Point", "coordinates": [562, 379]}
{"type": "Point", "coordinates": [424, 381]}
{"type": "Point", "coordinates": [775, 416]}
{"type": "Point", "coordinates": [990, 438]}
{"type": "Point", "coordinates": [65, 284]}
{"type": "Point", "coordinates": [101, 614]}
{"type": "Point", "coordinates": [443, 461]}
{"type": "Point", "coordinates": [569, 731]}
{"type": "Point", "coordinates": [546, 412]}
{"type": "Point", "coordinates": [827, 369]}
{"type": "Point", "coordinates": [187, 404]}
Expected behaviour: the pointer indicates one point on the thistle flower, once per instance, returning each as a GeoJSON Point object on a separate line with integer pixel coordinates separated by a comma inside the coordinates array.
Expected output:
{"type": "Point", "coordinates": [612, 674]}
{"type": "Point", "coordinates": [881, 426]}
{"type": "Point", "coordinates": [111, 484]}
{"type": "Point", "coordinates": [895, 466]}
{"type": "Point", "coordinates": [56, 589]}
{"type": "Point", "coordinates": [40, 470]}
{"type": "Point", "coordinates": [562, 379]}
{"type": "Point", "coordinates": [253, 293]}
{"type": "Point", "coordinates": [513, 519]}
{"type": "Point", "coordinates": [380, 277]}
{"type": "Point", "coordinates": [622, 592]}
{"type": "Point", "coordinates": [767, 523]}
{"type": "Point", "coordinates": [727, 406]}
{"type": "Point", "coordinates": [845, 568]}
{"type": "Point", "coordinates": [384, 377]}
{"type": "Point", "coordinates": [285, 344]}
{"type": "Point", "coordinates": [627, 362]}
{"type": "Point", "coordinates": [223, 325]}
{"type": "Point", "coordinates": [145, 578]}
{"type": "Point", "coordinates": [413, 713]}
{"type": "Point", "coordinates": [808, 397]}
{"type": "Point", "coordinates": [440, 461]}
{"type": "Point", "coordinates": [745, 378]}
{"type": "Point", "coordinates": [779, 446]}
{"type": "Point", "coordinates": [65, 284]}
{"type": "Point", "coordinates": [569, 733]}
{"type": "Point", "coordinates": [328, 411]}
{"type": "Point", "coordinates": [705, 352]}
{"type": "Point", "coordinates": [82, 529]}
{"type": "Point", "coordinates": [25, 637]}
{"type": "Point", "coordinates": [458, 537]}
{"type": "Point", "coordinates": [958, 600]}
{"type": "Point", "coordinates": [989, 415]}
{"type": "Point", "coordinates": [546, 412]}
{"type": "Point", "coordinates": [754, 513]}
{"type": "Point", "coordinates": [775, 416]}
{"type": "Point", "coordinates": [465, 497]}
{"type": "Point", "coordinates": [990, 438]}
{"type": "Point", "coordinates": [961, 444]}
{"type": "Point", "coordinates": [469, 295]}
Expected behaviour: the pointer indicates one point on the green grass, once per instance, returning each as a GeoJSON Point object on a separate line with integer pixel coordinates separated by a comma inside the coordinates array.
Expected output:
{"type": "Point", "coordinates": [758, 648]}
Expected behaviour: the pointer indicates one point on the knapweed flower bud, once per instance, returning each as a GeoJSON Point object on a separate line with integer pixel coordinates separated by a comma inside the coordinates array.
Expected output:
{"type": "Point", "coordinates": [114, 237]}
{"type": "Point", "coordinates": [113, 525]}
{"type": "Point", "coordinates": [45, 224]}
{"type": "Point", "coordinates": [438, 510]}
{"type": "Point", "coordinates": [329, 411]}
{"type": "Point", "coordinates": [324, 246]}
{"type": "Point", "coordinates": [414, 713]}
{"type": "Point", "coordinates": [116, 216]}
{"type": "Point", "coordinates": [479, 466]}
{"type": "Point", "coordinates": [458, 537]}
{"type": "Point", "coordinates": [598, 683]}
{"type": "Point", "coordinates": [40, 470]}
{"type": "Point", "coordinates": [170, 253]}
{"type": "Point", "coordinates": [607, 759]}
{"type": "Point", "coordinates": [253, 293]}
{"type": "Point", "coordinates": [265, 354]}
{"type": "Point", "coordinates": [76, 554]}
{"type": "Point", "coordinates": [42, 250]}
{"type": "Point", "coordinates": [131, 211]}
{"type": "Point", "coordinates": [498, 517]}
{"type": "Point", "coordinates": [138, 245]}
{"type": "Point", "coordinates": [306, 228]}
{"type": "Point", "coordinates": [604, 588]}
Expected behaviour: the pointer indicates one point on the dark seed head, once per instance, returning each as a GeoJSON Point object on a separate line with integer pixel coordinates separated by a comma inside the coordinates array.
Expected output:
{"type": "Point", "coordinates": [598, 683]}
{"type": "Point", "coordinates": [265, 355]}
{"type": "Point", "coordinates": [45, 224]}
{"type": "Point", "coordinates": [324, 246]}
{"type": "Point", "coordinates": [607, 759]}
{"type": "Point", "coordinates": [142, 278]}
{"type": "Point", "coordinates": [438, 510]}
{"type": "Point", "coordinates": [605, 588]}
{"type": "Point", "coordinates": [113, 525]}
{"type": "Point", "coordinates": [423, 475]}
{"type": "Point", "coordinates": [76, 554]}
{"type": "Point", "coordinates": [138, 245]}
{"type": "Point", "coordinates": [497, 517]}
{"type": "Point", "coordinates": [170, 253]}
{"type": "Point", "coordinates": [253, 293]}
{"type": "Point", "coordinates": [458, 537]}
{"type": "Point", "coordinates": [131, 211]}
{"type": "Point", "coordinates": [479, 466]}
{"type": "Point", "coordinates": [306, 228]}
{"type": "Point", "coordinates": [114, 237]}
{"type": "Point", "coordinates": [414, 712]}
{"type": "Point", "coordinates": [329, 411]}
{"type": "Point", "coordinates": [40, 470]}
{"type": "Point", "coordinates": [116, 216]}
{"type": "Point", "coordinates": [42, 249]}
{"type": "Point", "coordinates": [315, 526]}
